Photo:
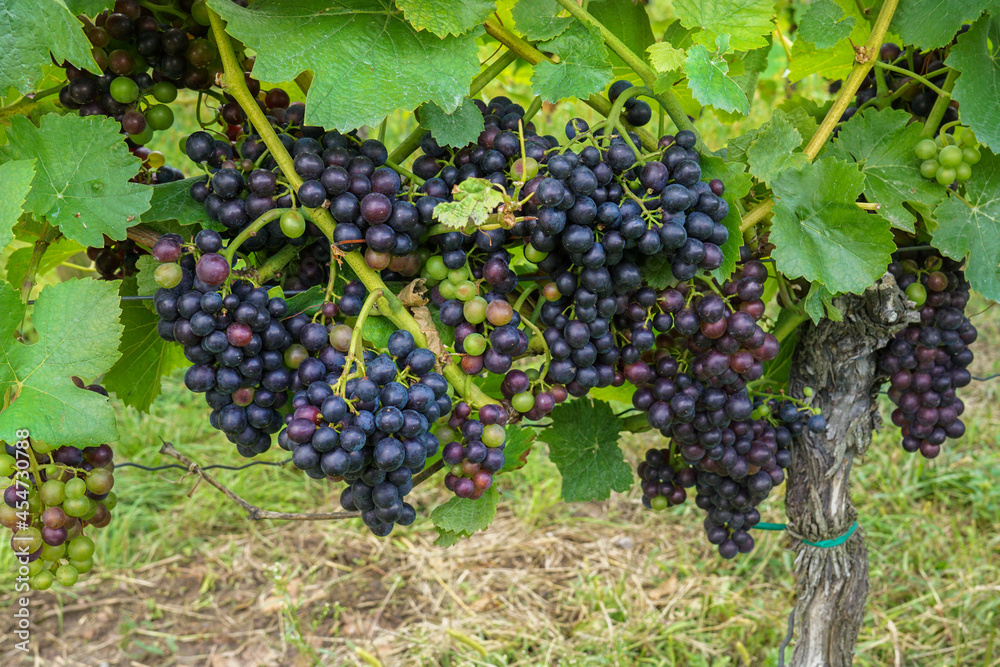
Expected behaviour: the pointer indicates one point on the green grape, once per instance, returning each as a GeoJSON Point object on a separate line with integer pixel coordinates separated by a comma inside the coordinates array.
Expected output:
{"type": "Point", "coordinates": [34, 503]}
{"type": "Point", "coordinates": [199, 12]}
{"type": "Point", "coordinates": [111, 501]}
{"type": "Point", "coordinates": [76, 488]}
{"type": "Point", "coordinates": [963, 172]}
{"type": "Point", "coordinates": [448, 290]}
{"type": "Point", "coordinates": [82, 566]}
{"type": "Point", "coordinates": [7, 464]}
{"type": "Point", "coordinates": [926, 149]}
{"type": "Point", "coordinates": [340, 337]}
{"type": "Point", "coordinates": [435, 268]}
{"type": "Point", "coordinates": [910, 266]}
{"type": "Point", "coordinates": [159, 117]}
{"type": "Point", "coordinates": [532, 374]}
{"type": "Point", "coordinates": [523, 402]}
{"type": "Point", "coordinates": [155, 159]}
{"type": "Point", "coordinates": [165, 92]}
{"type": "Point", "coordinates": [41, 581]}
{"type": "Point", "coordinates": [36, 566]}
{"type": "Point", "coordinates": [658, 503]}
{"type": "Point", "coordinates": [494, 435]}
{"type": "Point", "coordinates": [100, 481]}
{"type": "Point", "coordinates": [293, 225]}
{"type": "Point", "coordinates": [50, 553]}
{"type": "Point", "coordinates": [445, 433]}
{"type": "Point", "coordinates": [944, 139]}
{"type": "Point", "coordinates": [77, 507]}
{"type": "Point", "coordinates": [52, 492]}
{"type": "Point", "coordinates": [474, 344]}
{"type": "Point", "coordinates": [534, 255]}
{"type": "Point", "coordinates": [295, 355]}
{"type": "Point", "coordinates": [31, 538]}
{"type": "Point", "coordinates": [917, 293]}
{"type": "Point", "coordinates": [143, 137]}
{"type": "Point", "coordinates": [81, 548]}
{"type": "Point", "coordinates": [971, 156]}
{"type": "Point", "coordinates": [945, 176]}
{"type": "Point", "coordinates": [124, 90]}
{"type": "Point", "coordinates": [968, 137]}
{"type": "Point", "coordinates": [465, 290]}
{"type": "Point", "coordinates": [475, 310]}
{"type": "Point", "coordinates": [458, 275]}
{"type": "Point", "coordinates": [950, 156]}
{"type": "Point", "coordinates": [67, 575]}
{"type": "Point", "coordinates": [928, 168]}
{"type": "Point", "coordinates": [524, 169]}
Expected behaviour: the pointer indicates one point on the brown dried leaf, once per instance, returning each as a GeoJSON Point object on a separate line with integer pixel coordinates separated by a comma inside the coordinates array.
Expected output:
{"type": "Point", "coordinates": [412, 296]}
{"type": "Point", "coordinates": [426, 322]}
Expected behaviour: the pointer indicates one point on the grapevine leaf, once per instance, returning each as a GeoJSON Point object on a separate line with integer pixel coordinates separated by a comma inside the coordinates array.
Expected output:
{"type": "Point", "coordinates": [489, 384]}
{"type": "Point", "coordinates": [820, 234]}
{"type": "Point", "coordinates": [446, 17]}
{"type": "Point", "coordinates": [776, 371]}
{"type": "Point", "coordinates": [708, 81]}
{"type": "Point", "coordinates": [882, 142]}
{"type": "Point", "coordinates": [977, 90]}
{"type": "Point", "coordinates": [145, 282]}
{"type": "Point", "coordinates": [973, 230]}
{"type": "Point", "coordinates": [84, 188]}
{"type": "Point", "coordinates": [628, 21]}
{"type": "Point", "coordinates": [583, 66]}
{"type": "Point", "coordinates": [747, 22]}
{"type": "Point", "coordinates": [145, 357]}
{"type": "Point", "coordinates": [465, 516]}
{"type": "Point", "coordinates": [376, 331]}
{"type": "Point", "coordinates": [819, 304]}
{"type": "Point", "coordinates": [173, 202]}
{"type": "Point", "coordinates": [78, 329]}
{"type": "Point", "coordinates": [56, 254]}
{"type": "Point", "coordinates": [930, 24]}
{"type": "Point", "coordinates": [772, 150]}
{"type": "Point", "coordinates": [537, 20]}
{"type": "Point", "coordinates": [33, 28]}
{"type": "Point", "coordinates": [519, 442]}
{"type": "Point", "coordinates": [666, 58]}
{"type": "Point", "coordinates": [622, 394]}
{"type": "Point", "coordinates": [446, 539]}
{"type": "Point", "coordinates": [754, 62]}
{"type": "Point", "coordinates": [583, 443]}
{"type": "Point", "coordinates": [89, 7]}
{"type": "Point", "coordinates": [306, 302]}
{"type": "Point", "coordinates": [475, 201]}
{"type": "Point", "coordinates": [457, 129]}
{"type": "Point", "coordinates": [738, 184]}
{"type": "Point", "coordinates": [16, 177]}
{"type": "Point", "coordinates": [824, 24]}
{"type": "Point", "coordinates": [357, 50]}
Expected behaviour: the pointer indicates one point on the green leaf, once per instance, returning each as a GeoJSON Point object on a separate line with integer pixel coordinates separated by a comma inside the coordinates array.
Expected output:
{"type": "Point", "coordinates": [820, 234]}
{"type": "Point", "coordinates": [776, 371]}
{"type": "Point", "coordinates": [754, 62]}
{"type": "Point", "coordinates": [446, 539]}
{"type": "Point", "coordinates": [628, 21]}
{"type": "Point", "coordinates": [930, 24]}
{"type": "Point", "coordinates": [377, 330]}
{"type": "Point", "coordinates": [78, 329]}
{"type": "Point", "coordinates": [666, 58]}
{"type": "Point", "coordinates": [358, 50]}
{"type": "Point", "coordinates": [475, 201]}
{"type": "Point", "coordinates": [975, 56]}
{"type": "Point", "coordinates": [56, 254]}
{"type": "Point", "coordinates": [882, 143]}
{"type": "Point", "coordinates": [583, 443]}
{"type": "Point", "coordinates": [973, 230]}
{"type": "Point", "coordinates": [83, 188]}
{"type": "Point", "coordinates": [833, 63]}
{"type": "Point", "coordinates": [33, 28]}
{"type": "Point", "coordinates": [819, 304]}
{"type": "Point", "coordinates": [824, 23]}
{"type": "Point", "coordinates": [583, 66]}
{"type": "Point", "coordinates": [457, 129]}
{"type": "Point", "coordinates": [537, 20]}
{"type": "Point", "coordinates": [446, 17]}
{"type": "Point", "coordinates": [772, 150]}
{"type": "Point", "coordinates": [622, 394]}
{"type": "Point", "coordinates": [89, 7]}
{"type": "Point", "coordinates": [708, 81]}
{"type": "Point", "coordinates": [16, 177]}
{"type": "Point", "coordinates": [307, 302]}
{"type": "Point", "coordinates": [173, 202]}
{"type": "Point", "coordinates": [519, 442]}
{"type": "Point", "coordinates": [465, 516]}
{"type": "Point", "coordinates": [145, 357]}
{"type": "Point", "coordinates": [747, 22]}
{"type": "Point", "coordinates": [738, 184]}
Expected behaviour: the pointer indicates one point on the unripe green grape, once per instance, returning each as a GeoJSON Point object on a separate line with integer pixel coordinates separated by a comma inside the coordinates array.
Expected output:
{"type": "Point", "coordinates": [159, 117]}
{"type": "Point", "coordinates": [34, 503]}
{"type": "Point", "coordinates": [950, 156]}
{"type": "Point", "coordinates": [295, 355]}
{"type": "Point", "coordinates": [523, 402]}
{"type": "Point", "coordinates": [41, 581]}
{"type": "Point", "coordinates": [83, 566]}
{"type": "Point", "coordinates": [293, 225]}
{"type": "Point", "coordinates": [494, 435]}
{"type": "Point", "coordinates": [532, 374]}
{"type": "Point", "coordinates": [465, 290]}
{"type": "Point", "coordinates": [534, 255]}
{"type": "Point", "coordinates": [124, 90]}
{"type": "Point", "coordinates": [76, 488]}
{"type": "Point", "coordinates": [968, 137]}
{"type": "Point", "coordinates": [155, 159]}
{"type": "Point", "coordinates": [7, 464]}
{"type": "Point", "coordinates": [435, 268]}
{"type": "Point", "coordinates": [36, 566]}
{"type": "Point", "coordinates": [50, 553]}
{"type": "Point", "coordinates": [963, 172]}
{"type": "Point", "coordinates": [524, 169]}
{"type": "Point", "coordinates": [100, 481]}
{"type": "Point", "coordinates": [165, 92]}
{"type": "Point", "coordinates": [52, 492]}
{"type": "Point", "coordinates": [340, 337]}
{"type": "Point", "coordinates": [928, 168]}
{"type": "Point", "coordinates": [81, 548]}
{"type": "Point", "coordinates": [474, 310]}
{"type": "Point", "coordinates": [76, 507]}
{"type": "Point", "coordinates": [926, 149]}
{"type": "Point", "coordinates": [808, 392]}
{"type": "Point", "coordinates": [945, 176]}
{"type": "Point", "coordinates": [143, 137]}
{"type": "Point", "coordinates": [111, 501]}
{"type": "Point", "coordinates": [67, 575]}
{"type": "Point", "coordinates": [474, 344]}
{"type": "Point", "coordinates": [458, 275]}
{"type": "Point", "coordinates": [29, 539]}
{"type": "Point", "coordinates": [199, 12]}
{"type": "Point", "coordinates": [658, 503]}
{"type": "Point", "coordinates": [971, 156]}
{"type": "Point", "coordinates": [41, 447]}
{"type": "Point", "coordinates": [448, 290]}
{"type": "Point", "coordinates": [909, 266]}
{"type": "Point", "coordinates": [917, 293]}
{"type": "Point", "coordinates": [944, 139]}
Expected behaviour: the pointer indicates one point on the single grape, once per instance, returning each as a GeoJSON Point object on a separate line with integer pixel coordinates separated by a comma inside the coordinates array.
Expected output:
{"type": "Point", "coordinates": [926, 149]}
{"type": "Point", "coordinates": [168, 276]}
{"type": "Point", "coordinates": [917, 293]}
{"type": "Point", "coordinates": [124, 90]}
{"type": "Point", "coordinates": [950, 156]}
{"type": "Point", "coordinates": [293, 225]}
{"type": "Point", "coordinates": [928, 168]}
{"type": "Point", "coordinates": [945, 175]}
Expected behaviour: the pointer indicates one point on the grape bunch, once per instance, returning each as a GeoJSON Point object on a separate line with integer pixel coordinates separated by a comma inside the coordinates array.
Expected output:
{"type": "Point", "coordinates": [475, 451]}
{"type": "Point", "coordinates": [236, 341]}
{"type": "Point", "coordinates": [368, 425]}
{"type": "Point", "coordinates": [50, 508]}
{"type": "Point", "coordinates": [928, 361]}
{"type": "Point", "coordinates": [949, 158]}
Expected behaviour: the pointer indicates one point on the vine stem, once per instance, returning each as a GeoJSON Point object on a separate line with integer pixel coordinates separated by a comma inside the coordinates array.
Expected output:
{"type": "Point", "coordinates": [45, 238]}
{"type": "Point", "coordinates": [913, 75]}
{"type": "Point", "coordinates": [354, 347]}
{"type": "Point", "coordinates": [940, 106]}
{"type": "Point", "coordinates": [26, 104]}
{"type": "Point", "coordinates": [251, 230]}
{"type": "Point", "coordinates": [833, 116]}
{"type": "Point", "coordinates": [276, 262]}
{"type": "Point", "coordinates": [669, 101]}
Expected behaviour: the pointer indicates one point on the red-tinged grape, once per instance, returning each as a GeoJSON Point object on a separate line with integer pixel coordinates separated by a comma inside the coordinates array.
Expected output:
{"type": "Point", "coordinates": [212, 268]}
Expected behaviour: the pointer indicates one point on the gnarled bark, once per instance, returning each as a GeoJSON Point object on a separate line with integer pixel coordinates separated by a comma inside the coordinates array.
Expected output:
{"type": "Point", "coordinates": [839, 361]}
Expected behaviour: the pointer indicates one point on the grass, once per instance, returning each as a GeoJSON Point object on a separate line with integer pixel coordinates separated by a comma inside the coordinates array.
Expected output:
{"type": "Point", "coordinates": [185, 578]}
